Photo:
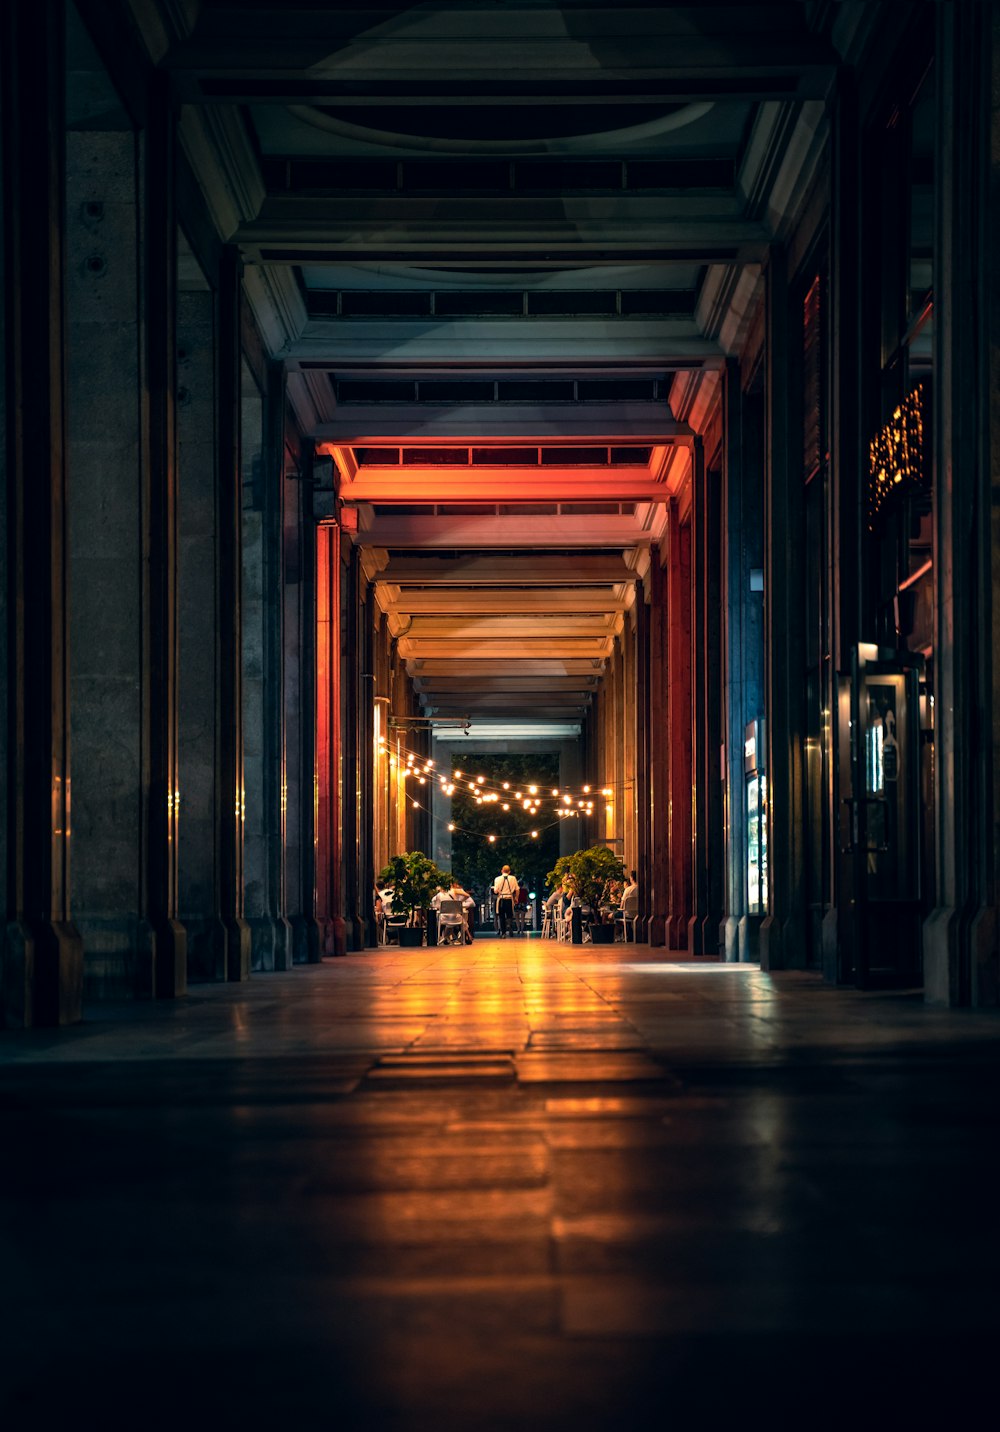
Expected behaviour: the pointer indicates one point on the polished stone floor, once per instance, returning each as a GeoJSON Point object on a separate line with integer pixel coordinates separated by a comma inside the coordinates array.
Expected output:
{"type": "Point", "coordinates": [520, 1185]}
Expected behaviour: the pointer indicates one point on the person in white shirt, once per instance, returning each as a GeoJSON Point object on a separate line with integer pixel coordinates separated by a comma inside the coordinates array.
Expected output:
{"type": "Point", "coordinates": [505, 889]}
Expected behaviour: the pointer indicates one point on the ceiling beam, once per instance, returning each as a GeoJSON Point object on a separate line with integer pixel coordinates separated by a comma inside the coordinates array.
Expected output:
{"type": "Point", "coordinates": [584, 530]}
{"type": "Point", "coordinates": [547, 602]}
{"type": "Point", "coordinates": [489, 569]}
{"type": "Point", "coordinates": [507, 650]}
{"type": "Point", "coordinates": [430, 485]}
{"type": "Point", "coordinates": [488, 628]}
{"type": "Point", "coordinates": [411, 423]}
{"type": "Point", "coordinates": [452, 686]}
{"type": "Point", "coordinates": [473, 667]}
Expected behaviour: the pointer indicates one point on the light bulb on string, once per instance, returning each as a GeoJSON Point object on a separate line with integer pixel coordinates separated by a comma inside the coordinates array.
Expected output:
{"type": "Point", "coordinates": [532, 790]}
{"type": "Point", "coordinates": [586, 790]}
{"type": "Point", "coordinates": [451, 825]}
{"type": "Point", "coordinates": [491, 839]}
{"type": "Point", "coordinates": [506, 785]}
{"type": "Point", "coordinates": [534, 835]}
{"type": "Point", "coordinates": [555, 791]}
{"type": "Point", "coordinates": [456, 774]}
{"type": "Point", "coordinates": [416, 805]}
{"type": "Point", "coordinates": [506, 806]}
{"type": "Point", "coordinates": [481, 780]}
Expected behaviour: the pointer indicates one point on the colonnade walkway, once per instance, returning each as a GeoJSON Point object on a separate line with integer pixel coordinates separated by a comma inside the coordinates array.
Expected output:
{"type": "Point", "coordinates": [516, 1185]}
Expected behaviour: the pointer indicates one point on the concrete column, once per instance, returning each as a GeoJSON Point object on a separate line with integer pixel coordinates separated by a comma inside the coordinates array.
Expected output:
{"type": "Point", "coordinates": [42, 961]}
{"type": "Point", "coordinates": [298, 668]}
{"type": "Point", "coordinates": [678, 729]}
{"type": "Point", "coordinates": [366, 771]}
{"type": "Point", "coordinates": [199, 900]}
{"type": "Point", "coordinates": [960, 936]}
{"type": "Point", "coordinates": [658, 753]}
{"type": "Point", "coordinates": [229, 631]}
{"type": "Point", "coordinates": [706, 697]}
{"type": "Point", "coordinates": [351, 665]}
{"type": "Point", "coordinates": [105, 559]}
{"type": "Point", "coordinates": [261, 451]}
{"type": "Point", "coordinates": [733, 587]}
{"type": "Point", "coordinates": [165, 941]}
{"type": "Point", "coordinates": [782, 935]}
{"type": "Point", "coordinates": [847, 492]}
{"type": "Point", "coordinates": [643, 797]}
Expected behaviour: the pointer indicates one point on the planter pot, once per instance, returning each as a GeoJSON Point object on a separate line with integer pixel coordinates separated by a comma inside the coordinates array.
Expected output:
{"type": "Point", "coordinates": [410, 936]}
{"type": "Point", "coordinates": [602, 934]}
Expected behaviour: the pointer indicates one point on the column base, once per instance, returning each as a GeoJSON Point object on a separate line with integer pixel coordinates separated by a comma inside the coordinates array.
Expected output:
{"type": "Point", "coordinates": [161, 959]}
{"type": "Point", "coordinates": [828, 945]}
{"type": "Point", "coordinates": [729, 939]}
{"type": "Point", "coordinates": [41, 975]}
{"type": "Point", "coordinates": [703, 935]}
{"type": "Point", "coordinates": [119, 958]}
{"type": "Point", "coordinates": [782, 944]}
{"type": "Point", "coordinates": [677, 933]}
{"type": "Point", "coordinates": [656, 931]}
{"type": "Point", "coordinates": [304, 938]}
{"type": "Point", "coordinates": [238, 945]}
{"type": "Point", "coordinates": [338, 928]}
{"type": "Point", "coordinates": [206, 941]}
{"type": "Point", "coordinates": [749, 939]}
{"type": "Point", "coordinates": [270, 943]}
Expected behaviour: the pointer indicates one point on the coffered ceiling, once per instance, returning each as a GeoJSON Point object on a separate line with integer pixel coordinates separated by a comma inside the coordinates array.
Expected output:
{"type": "Point", "coordinates": [503, 247]}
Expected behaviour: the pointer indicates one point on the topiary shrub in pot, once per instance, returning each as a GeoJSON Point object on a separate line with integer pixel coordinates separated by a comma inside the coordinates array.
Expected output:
{"type": "Point", "coordinates": [588, 873]}
{"type": "Point", "coordinates": [415, 880]}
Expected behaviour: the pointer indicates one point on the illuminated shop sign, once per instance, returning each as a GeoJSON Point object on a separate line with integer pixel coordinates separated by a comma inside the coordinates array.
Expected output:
{"type": "Point", "coordinates": [898, 458]}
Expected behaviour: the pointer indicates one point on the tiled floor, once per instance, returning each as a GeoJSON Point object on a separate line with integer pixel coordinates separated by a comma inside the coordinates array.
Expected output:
{"type": "Point", "coordinates": [515, 1185]}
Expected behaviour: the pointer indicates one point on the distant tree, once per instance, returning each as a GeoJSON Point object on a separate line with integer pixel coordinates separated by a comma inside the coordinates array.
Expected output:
{"type": "Point", "coordinates": [475, 861]}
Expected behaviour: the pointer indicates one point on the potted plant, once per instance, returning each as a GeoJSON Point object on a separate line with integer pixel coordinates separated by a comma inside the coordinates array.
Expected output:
{"type": "Point", "coordinates": [415, 880]}
{"type": "Point", "coordinates": [588, 873]}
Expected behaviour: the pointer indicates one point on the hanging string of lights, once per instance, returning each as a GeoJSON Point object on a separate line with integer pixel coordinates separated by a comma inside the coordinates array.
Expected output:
{"type": "Point", "coordinates": [412, 764]}
{"type": "Point", "coordinates": [491, 839]}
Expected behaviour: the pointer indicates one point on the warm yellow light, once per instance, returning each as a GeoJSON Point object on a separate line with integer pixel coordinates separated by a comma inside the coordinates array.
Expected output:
{"type": "Point", "coordinates": [567, 800]}
{"type": "Point", "coordinates": [416, 805]}
{"type": "Point", "coordinates": [422, 780]}
{"type": "Point", "coordinates": [534, 835]}
{"type": "Point", "coordinates": [479, 800]}
{"type": "Point", "coordinates": [457, 774]}
{"type": "Point", "coordinates": [506, 785]}
{"type": "Point", "coordinates": [556, 791]}
{"type": "Point", "coordinates": [506, 806]}
{"type": "Point", "coordinates": [491, 839]}
{"type": "Point", "coordinates": [481, 780]}
{"type": "Point", "coordinates": [532, 790]}
{"type": "Point", "coordinates": [606, 791]}
{"type": "Point", "coordinates": [586, 790]}
{"type": "Point", "coordinates": [450, 826]}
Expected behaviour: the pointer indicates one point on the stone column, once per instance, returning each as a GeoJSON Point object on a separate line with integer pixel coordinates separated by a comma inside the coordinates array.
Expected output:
{"type": "Point", "coordinates": [366, 771]}
{"type": "Point", "coordinates": [678, 728]}
{"type": "Point", "coordinates": [960, 936]}
{"type": "Point", "coordinates": [298, 668]}
{"type": "Point", "coordinates": [229, 607]}
{"type": "Point", "coordinates": [199, 899]}
{"type": "Point", "coordinates": [733, 587]}
{"type": "Point", "coordinates": [706, 695]}
{"type": "Point", "coordinates": [351, 664]}
{"type": "Point", "coordinates": [782, 935]}
{"type": "Point", "coordinates": [262, 452]}
{"type": "Point", "coordinates": [105, 559]}
{"type": "Point", "coordinates": [643, 798]}
{"type": "Point", "coordinates": [165, 942]}
{"type": "Point", "coordinates": [42, 971]}
{"type": "Point", "coordinates": [658, 755]}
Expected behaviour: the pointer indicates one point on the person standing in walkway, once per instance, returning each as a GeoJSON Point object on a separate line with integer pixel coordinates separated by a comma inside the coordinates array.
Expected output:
{"type": "Point", "coordinates": [505, 889]}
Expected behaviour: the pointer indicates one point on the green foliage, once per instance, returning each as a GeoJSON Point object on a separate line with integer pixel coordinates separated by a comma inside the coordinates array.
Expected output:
{"type": "Point", "coordinates": [587, 872]}
{"type": "Point", "coordinates": [415, 880]}
{"type": "Point", "coordinates": [475, 860]}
